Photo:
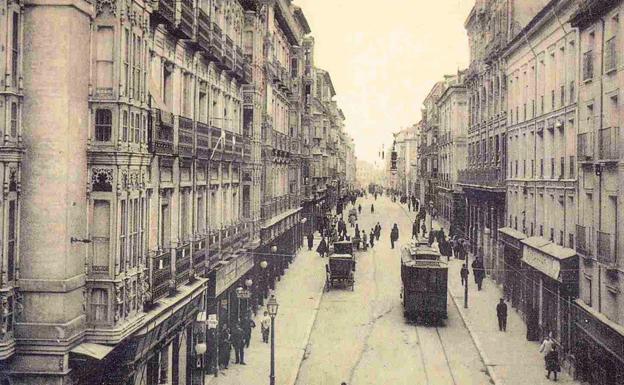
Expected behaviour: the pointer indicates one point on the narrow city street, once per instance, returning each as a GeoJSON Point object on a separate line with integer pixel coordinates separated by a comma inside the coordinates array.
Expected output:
{"type": "Point", "coordinates": [361, 337]}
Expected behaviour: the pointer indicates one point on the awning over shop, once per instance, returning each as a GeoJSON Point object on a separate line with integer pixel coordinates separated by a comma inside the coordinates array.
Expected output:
{"type": "Point", "coordinates": [231, 270]}
{"type": "Point", "coordinates": [511, 237]}
{"type": "Point", "coordinates": [545, 256]}
{"type": "Point", "coordinates": [96, 351]}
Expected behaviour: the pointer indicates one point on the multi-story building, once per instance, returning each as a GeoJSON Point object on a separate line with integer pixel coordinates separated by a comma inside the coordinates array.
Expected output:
{"type": "Point", "coordinates": [491, 24]}
{"type": "Point", "coordinates": [176, 149]}
{"type": "Point", "coordinates": [599, 311]}
{"type": "Point", "coordinates": [452, 151]}
{"type": "Point", "coordinates": [539, 264]}
{"type": "Point", "coordinates": [428, 151]}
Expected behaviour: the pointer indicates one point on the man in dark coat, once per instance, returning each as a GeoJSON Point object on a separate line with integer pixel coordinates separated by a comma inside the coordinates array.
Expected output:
{"type": "Point", "coordinates": [322, 247]}
{"type": "Point", "coordinates": [310, 241]}
{"type": "Point", "coordinates": [377, 230]}
{"type": "Point", "coordinates": [247, 325]}
{"type": "Point", "coordinates": [372, 238]}
{"type": "Point", "coordinates": [238, 342]}
{"type": "Point", "coordinates": [501, 314]}
{"type": "Point", "coordinates": [415, 229]}
{"type": "Point", "coordinates": [478, 271]}
{"type": "Point", "coordinates": [394, 235]}
{"type": "Point", "coordinates": [463, 273]}
{"type": "Point", "coordinates": [225, 347]}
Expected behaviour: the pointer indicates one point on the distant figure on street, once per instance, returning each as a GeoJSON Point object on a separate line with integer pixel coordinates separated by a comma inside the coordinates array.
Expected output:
{"type": "Point", "coordinates": [372, 238]}
{"type": "Point", "coordinates": [248, 325]}
{"type": "Point", "coordinates": [310, 241]}
{"type": "Point", "coordinates": [225, 348]}
{"type": "Point", "coordinates": [394, 235]}
{"type": "Point", "coordinates": [478, 271]}
{"type": "Point", "coordinates": [547, 344]}
{"type": "Point", "coordinates": [552, 363]}
{"type": "Point", "coordinates": [238, 342]}
{"type": "Point", "coordinates": [322, 247]}
{"type": "Point", "coordinates": [409, 205]}
{"type": "Point", "coordinates": [415, 229]}
{"type": "Point", "coordinates": [265, 327]}
{"type": "Point", "coordinates": [373, 208]}
{"type": "Point", "coordinates": [423, 227]}
{"type": "Point", "coordinates": [501, 314]}
{"type": "Point", "coordinates": [377, 230]}
{"type": "Point", "coordinates": [463, 273]}
{"type": "Point", "coordinates": [359, 208]}
{"type": "Point", "coordinates": [364, 240]}
{"type": "Point", "coordinates": [431, 237]}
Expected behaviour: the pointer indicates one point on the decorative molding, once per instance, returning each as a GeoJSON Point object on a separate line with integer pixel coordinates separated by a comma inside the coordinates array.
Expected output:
{"type": "Point", "coordinates": [101, 5]}
{"type": "Point", "coordinates": [102, 179]}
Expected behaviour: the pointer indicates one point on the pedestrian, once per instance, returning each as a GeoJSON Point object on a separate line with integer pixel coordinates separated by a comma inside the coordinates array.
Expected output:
{"type": "Point", "coordinates": [357, 230]}
{"type": "Point", "coordinates": [409, 205]}
{"type": "Point", "coordinates": [415, 229]}
{"type": "Point", "coordinates": [238, 342]}
{"type": "Point", "coordinates": [463, 273]}
{"type": "Point", "coordinates": [225, 348]}
{"type": "Point", "coordinates": [322, 247]}
{"type": "Point", "coordinates": [478, 271]}
{"type": "Point", "coordinates": [501, 314]}
{"type": "Point", "coordinates": [248, 325]}
{"type": "Point", "coordinates": [359, 208]}
{"type": "Point", "coordinates": [310, 241]}
{"type": "Point", "coordinates": [372, 238]}
{"type": "Point", "coordinates": [265, 327]}
{"type": "Point", "coordinates": [547, 344]}
{"type": "Point", "coordinates": [431, 237]}
{"type": "Point", "coordinates": [394, 235]}
{"type": "Point", "coordinates": [364, 240]}
{"type": "Point", "coordinates": [552, 363]}
{"type": "Point", "coordinates": [377, 231]}
{"type": "Point", "coordinates": [423, 227]}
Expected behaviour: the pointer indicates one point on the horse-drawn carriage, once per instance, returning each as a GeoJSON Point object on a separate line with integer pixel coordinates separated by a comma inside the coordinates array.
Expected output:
{"type": "Point", "coordinates": [341, 267]}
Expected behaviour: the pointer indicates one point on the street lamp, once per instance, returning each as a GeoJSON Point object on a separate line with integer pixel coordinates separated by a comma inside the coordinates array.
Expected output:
{"type": "Point", "coordinates": [248, 284]}
{"type": "Point", "coordinates": [239, 295]}
{"type": "Point", "coordinates": [272, 307]}
{"type": "Point", "coordinates": [263, 266]}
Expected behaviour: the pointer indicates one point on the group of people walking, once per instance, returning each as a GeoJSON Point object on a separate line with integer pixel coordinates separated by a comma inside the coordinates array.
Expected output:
{"type": "Point", "coordinates": [238, 338]}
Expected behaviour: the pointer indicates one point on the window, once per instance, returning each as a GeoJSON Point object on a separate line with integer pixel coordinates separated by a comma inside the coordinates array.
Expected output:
{"type": "Point", "coordinates": [588, 65]}
{"type": "Point", "coordinates": [99, 304]}
{"type": "Point", "coordinates": [552, 168]}
{"type": "Point", "coordinates": [136, 67]}
{"type": "Point", "coordinates": [184, 233]}
{"type": "Point", "coordinates": [101, 235]}
{"type": "Point", "coordinates": [124, 126]}
{"type": "Point", "coordinates": [11, 240]}
{"type": "Point", "coordinates": [562, 95]}
{"type": "Point", "coordinates": [103, 125]}
{"type": "Point", "coordinates": [572, 91]}
{"type": "Point", "coordinates": [133, 231]}
{"type": "Point", "coordinates": [552, 99]}
{"type": "Point", "coordinates": [542, 168]}
{"type": "Point", "coordinates": [532, 168]}
{"type": "Point", "coordinates": [15, 50]}
{"type": "Point", "coordinates": [542, 104]}
{"type": "Point", "coordinates": [14, 117]}
{"type": "Point", "coordinates": [562, 168]}
{"type": "Point", "coordinates": [126, 61]}
{"type": "Point", "coordinates": [587, 297]}
{"type": "Point", "coordinates": [104, 60]}
{"type": "Point", "coordinates": [571, 241]}
{"type": "Point", "coordinates": [572, 165]}
{"type": "Point", "coordinates": [123, 235]}
{"type": "Point", "coordinates": [137, 128]}
{"type": "Point", "coordinates": [168, 87]}
{"type": "Point", "coordinates": [610, 55]}
{"type": "Point", "coordinates": [541, 233]}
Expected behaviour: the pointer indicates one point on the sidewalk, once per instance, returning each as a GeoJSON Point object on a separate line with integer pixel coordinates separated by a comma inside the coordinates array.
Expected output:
{"type": "Point", "coordinates": [298, 293]}
{"type": "Point", "coordinates": [508, 356]}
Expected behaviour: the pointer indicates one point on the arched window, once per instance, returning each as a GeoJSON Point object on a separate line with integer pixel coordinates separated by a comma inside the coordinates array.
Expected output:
{"type": "Point", "coordinates": [103, 125]}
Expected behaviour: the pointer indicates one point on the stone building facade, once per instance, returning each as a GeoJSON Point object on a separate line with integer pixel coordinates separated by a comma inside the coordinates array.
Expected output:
{"type": "Point", "coordinates": [153, 157]}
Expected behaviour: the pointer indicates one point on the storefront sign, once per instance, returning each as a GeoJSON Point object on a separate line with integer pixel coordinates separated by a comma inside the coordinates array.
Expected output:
{"type": "Point", "coordinates": [541, 262]}
{"type": "Point", "coordinates": [232, 271]}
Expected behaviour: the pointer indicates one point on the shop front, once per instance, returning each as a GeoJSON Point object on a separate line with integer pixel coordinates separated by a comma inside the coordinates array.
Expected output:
{"type": "Point", "coordinates": [512, 274]}
{"type": "Point", "coordinates": [598, 348]}
{"type": "Point", "coordinates": [550, 284]}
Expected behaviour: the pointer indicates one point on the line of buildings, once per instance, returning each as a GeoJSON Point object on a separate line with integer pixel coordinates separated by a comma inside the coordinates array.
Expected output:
{"type": "Point", "coordinates": [522, 154]}
{"type": "Point", "coordinates": [158, 158]}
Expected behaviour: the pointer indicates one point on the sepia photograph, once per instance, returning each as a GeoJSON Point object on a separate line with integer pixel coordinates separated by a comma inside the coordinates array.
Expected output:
{"type": "Point", "coordinates": [311, 192]}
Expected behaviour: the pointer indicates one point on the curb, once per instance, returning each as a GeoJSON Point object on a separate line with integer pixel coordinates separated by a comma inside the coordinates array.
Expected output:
{"type": "Point", "coordinates": [309, 335]}
{"type": "Point", "coordinates": [477, 343]}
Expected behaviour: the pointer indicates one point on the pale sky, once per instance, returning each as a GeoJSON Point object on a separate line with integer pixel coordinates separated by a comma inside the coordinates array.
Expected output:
{"type": "Point", "coordinates": [384, 57]}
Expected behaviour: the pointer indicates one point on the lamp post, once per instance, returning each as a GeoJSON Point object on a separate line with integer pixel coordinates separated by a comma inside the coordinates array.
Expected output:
{"type": "Point", "coordinates": [239, 296]}
{"type": "Point", "coordinates": [263, 266]}
{"type": "Point", "coordinates": [248, 284]}
{"type": "Point", "coordinates": [272, 307]}
{"type": "Point", "coordinates": [274, 257]}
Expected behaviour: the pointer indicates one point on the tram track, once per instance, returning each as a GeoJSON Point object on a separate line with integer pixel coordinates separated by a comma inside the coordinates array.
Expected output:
{"type": "Point", "coordinates": [419, 328]}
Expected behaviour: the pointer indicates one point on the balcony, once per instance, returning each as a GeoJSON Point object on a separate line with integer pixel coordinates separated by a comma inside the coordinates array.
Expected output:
{"type": "Point", "coordinates": [608, 144]}
{"type": "Point", "coordinates": [160, 275]}
{"type": "Point", "coordinates": [228, 54]}
{"type": "Point", "coordinates": [203, 30]}
{"type": "Point", "coordinates": [585, 143]}
{"type": "Point", "coordinates": [203, 141]}
{"type": "Point", "coordinates": [164, 11]}
{"type": "Point", "coordinates": [490, 177]}
{"type": "Point", "coordinates": [216, 42]}
{"type": "Point", "coordinates": [185, 23]}
{"type": "Point", "coordinates": [583, 245]}
{"type": "Point", "coordinates": [199, 253]}
{"type": "Point", "coordinates": [183, 264]}
{"type": "Point", "coordinates": [185, 137]}
{"type": "Point", "coordinates": [162, 133]}
{"type": "Point", "coordinates": [606, 250]}
{"type": "Point", "coordinates": [239, 59]}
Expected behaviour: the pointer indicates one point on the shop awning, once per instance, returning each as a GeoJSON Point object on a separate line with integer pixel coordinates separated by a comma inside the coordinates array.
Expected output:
{"type": "Point", "coordinates": [96, 351]}
{"type": "Point", "coordinates": [545, 256]}
{"type": "Point", "coordinates": [512, 233]}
